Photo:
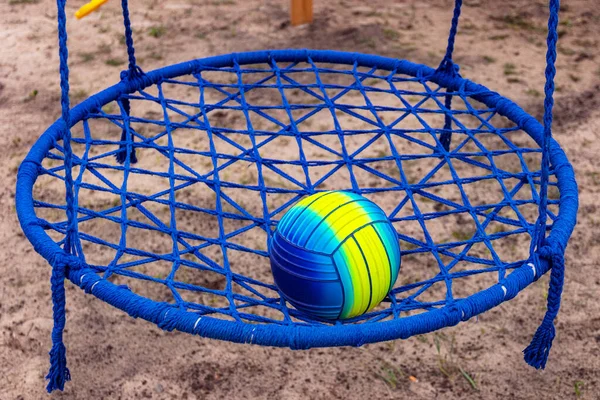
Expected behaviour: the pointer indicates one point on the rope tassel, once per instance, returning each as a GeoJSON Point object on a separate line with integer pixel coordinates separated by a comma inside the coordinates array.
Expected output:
{"type": "Point", "coordinates": [536, 354]}
{"type": "Point", "coordinates": [59, 373]}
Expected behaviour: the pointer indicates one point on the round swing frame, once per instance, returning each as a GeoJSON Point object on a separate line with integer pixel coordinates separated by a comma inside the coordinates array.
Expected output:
{"type": "Point", "coordinates": [297, 336]}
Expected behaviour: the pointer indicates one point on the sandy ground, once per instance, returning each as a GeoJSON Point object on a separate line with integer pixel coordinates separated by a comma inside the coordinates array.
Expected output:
{"type": "Point", "coordinates": [114, 356]}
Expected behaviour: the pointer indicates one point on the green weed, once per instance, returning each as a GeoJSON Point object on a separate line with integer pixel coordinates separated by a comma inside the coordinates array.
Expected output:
{"type": "Point", "coordinates": [31, 96]}
{"type": "Point", "coordinates": [510, 69]}
{"type": "Point", "coordinates": [157, 31]}
{"type": "Point", "coordinates": [578, 386]}
{"type": "Point", "coordinates": [447, 360]}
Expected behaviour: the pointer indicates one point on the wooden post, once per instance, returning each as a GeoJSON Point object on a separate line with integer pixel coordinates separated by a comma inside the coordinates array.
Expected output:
{"type": "Point", "coordinates": [302, 12]}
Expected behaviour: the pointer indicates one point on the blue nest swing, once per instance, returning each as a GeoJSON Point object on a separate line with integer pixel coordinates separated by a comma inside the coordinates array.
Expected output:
{"type": "Point", "coordinates": [159, 194]}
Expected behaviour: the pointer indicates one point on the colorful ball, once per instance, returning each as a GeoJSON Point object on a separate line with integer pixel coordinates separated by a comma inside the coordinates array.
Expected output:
{"type": "Point", "coordinates": [335, 255]}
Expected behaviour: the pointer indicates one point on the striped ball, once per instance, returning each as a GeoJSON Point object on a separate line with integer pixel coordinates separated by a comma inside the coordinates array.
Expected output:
{"type": "Point", "coordinates": [335, 255]}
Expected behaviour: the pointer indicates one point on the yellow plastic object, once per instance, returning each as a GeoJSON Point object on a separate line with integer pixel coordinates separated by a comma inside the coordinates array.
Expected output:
{"type": "Point", "coordinates": [89, 8]}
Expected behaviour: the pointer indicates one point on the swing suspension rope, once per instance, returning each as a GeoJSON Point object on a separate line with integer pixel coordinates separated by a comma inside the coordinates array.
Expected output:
{"type": "Point", "coordinates": [545, 252]}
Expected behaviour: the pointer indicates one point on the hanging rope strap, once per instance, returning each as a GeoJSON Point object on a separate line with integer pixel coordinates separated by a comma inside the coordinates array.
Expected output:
{"type": "Point", "coordinates": [536, 354]}
{"type": "Point", "coordinates": [447, 66]}
{"type": "Point", "coordinates": [132, 73]}
{"type": "Point", "coordinates": [59, 373]}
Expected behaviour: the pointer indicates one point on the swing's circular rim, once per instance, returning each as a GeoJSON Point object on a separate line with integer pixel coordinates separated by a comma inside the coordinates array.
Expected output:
{"type": "Point", "coordinates": [296, 336]}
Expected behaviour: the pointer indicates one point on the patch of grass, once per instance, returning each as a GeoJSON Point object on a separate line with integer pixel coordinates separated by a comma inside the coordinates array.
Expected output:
{"type": "Point", "coordinates": [489, 59]}
{"type": "Point", "coordinates": [566, 22]}
{"type": "Point", "coordinates": [391, 34]}
{"type": "Point", "coordinates": [595, 177]}
{"type": "Point", "coordinates": [367, 41]}
{"type": "Point", "coordinates": [109, 108]}
{"type": "Point", "coordinates": [373, 14]}
{"type": "Point", "coordinates": [104, 48]}
{"type": "Point", "coordinates": [469, 27]}
{"type": "Point", "coordinates": [155, 56]}
{"type": "Point", "coordinates": [468, 377]}
{"type": "Point", "coordinates": [566, 51]}
{"type": "Point", "coordinates": [498, 37]}
{"type": "Point", "coordinates": [448, 363]}
{"type": "Point", "coordinates": [462, 236]}
{"type": "Point", "coordinates": [432, 54]}
{"type": "Point", "coordinates": [114, 62]}
{"type": "Point", "coordinates": [422, 338]}
{"type": "Point", "coordinates": [79, 95]}
{"type": "Point", "coordinates": [584, 43]}
{"type": "Point", "coordinates": [533, 92]}
{"type": "Point", "coordinates": [19, 2]}
{"type": "Point", "coordinates": [510, 69]}
{"type": "Point", "coordinates": [232, 32]}
{"type": "Point", "coordinates": [578, 386]}
{"type": "Point", "coordinates": [157, 31]}
{"type": "Point", "coordinates": [519, 22]}
{"type": "Point", "coordinates": [31, 96]}
{"type": "Point", "coordinates": [87, 57]}
{"type": "Point", "coordinates": [390, 375]}
{"type": "Point", "coordinates": [500, 228]}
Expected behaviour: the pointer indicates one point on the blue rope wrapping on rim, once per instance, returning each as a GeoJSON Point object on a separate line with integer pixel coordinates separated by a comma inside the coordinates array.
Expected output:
{"type": "Point", "coordinates": [447, 66]}
{"type": "Point", "coordinates": [536, 354]}
{"type": "Point", "coordinates": [134, 72]}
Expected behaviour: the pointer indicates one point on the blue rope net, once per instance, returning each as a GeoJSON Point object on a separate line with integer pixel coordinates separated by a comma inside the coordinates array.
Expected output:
{"type": "Point", "coordinates": [224, 152]}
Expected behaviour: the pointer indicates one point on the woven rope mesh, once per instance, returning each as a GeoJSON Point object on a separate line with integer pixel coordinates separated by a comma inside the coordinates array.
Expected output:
{"type": "Point", "coordinates": [223, 153]}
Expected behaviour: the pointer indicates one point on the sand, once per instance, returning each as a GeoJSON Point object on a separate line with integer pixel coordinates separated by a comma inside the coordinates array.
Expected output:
{"type": "Point", "coordinates": [113, 356]}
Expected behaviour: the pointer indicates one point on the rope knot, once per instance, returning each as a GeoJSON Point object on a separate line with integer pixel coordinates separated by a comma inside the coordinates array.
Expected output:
{"type": "Point", "coordinates": [447, 66]}
{"type": "Point", "coordinates": [536, 354]}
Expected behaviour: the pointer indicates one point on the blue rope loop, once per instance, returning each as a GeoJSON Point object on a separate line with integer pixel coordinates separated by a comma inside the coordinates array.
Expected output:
{"type": "Point", "coordinates": [536, 354]}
